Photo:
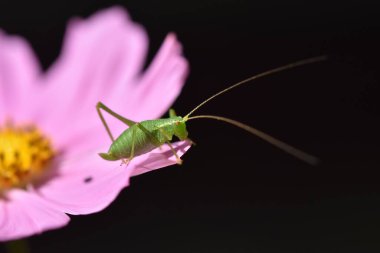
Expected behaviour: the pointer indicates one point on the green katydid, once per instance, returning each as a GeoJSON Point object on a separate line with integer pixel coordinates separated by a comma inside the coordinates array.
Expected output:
{"type": "Point", "coordinates": [142, 137]}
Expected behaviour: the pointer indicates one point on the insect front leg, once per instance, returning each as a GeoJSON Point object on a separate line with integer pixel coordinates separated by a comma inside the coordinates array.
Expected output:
{"type": "Point", "coordinates": [178, 159]}
{"type": "Point", "coordinates": [167, 136]}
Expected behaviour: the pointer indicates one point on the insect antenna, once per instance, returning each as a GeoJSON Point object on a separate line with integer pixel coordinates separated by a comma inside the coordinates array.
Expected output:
{"type": "Point", "coordinates": [263, 74]}
{"type": "Point", "coordinates": [275, 142]}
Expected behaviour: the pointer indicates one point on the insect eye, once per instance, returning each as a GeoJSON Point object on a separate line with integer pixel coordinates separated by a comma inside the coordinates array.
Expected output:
{"type": "Point", "coordinates": [177, 123]}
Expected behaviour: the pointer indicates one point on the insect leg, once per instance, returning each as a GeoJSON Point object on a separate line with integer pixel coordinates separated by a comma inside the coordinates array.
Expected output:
{"type": "Point", "coordinates": [132, 145]}
{"type": "Point", "coordinates": [167, 136]}
{"type": "Point", "coordinates": [178, 160]}
{"type": "Point", "coordinates": [102, 106]}
{"type": "Point", "coordinates": [99, 106]}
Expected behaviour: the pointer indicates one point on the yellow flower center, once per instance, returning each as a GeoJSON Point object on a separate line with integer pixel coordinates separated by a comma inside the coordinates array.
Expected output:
{"type": "Point", "coordinates": [24, 154]}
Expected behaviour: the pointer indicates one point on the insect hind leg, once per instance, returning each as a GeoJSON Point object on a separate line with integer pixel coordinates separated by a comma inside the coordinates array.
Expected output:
{"type": "Point", "coordinates": [100, 106]}
{"type": "Point", "coordinates": [132, 155]}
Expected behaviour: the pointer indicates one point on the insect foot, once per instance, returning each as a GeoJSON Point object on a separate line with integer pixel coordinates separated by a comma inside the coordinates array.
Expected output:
{"type": "Point", "coordinates": [179, 161]}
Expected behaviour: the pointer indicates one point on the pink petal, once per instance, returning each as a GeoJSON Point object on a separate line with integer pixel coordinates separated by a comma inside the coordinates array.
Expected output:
{"type": "Point", "coordinates": [101, 55]}
{"type": "Point", "coordinates": [101, 59]}
{"type": "Point", "coordinates": [68, 190]}
{"type": "Point", "coordinates": [25, 213]}
{"type": "Point", "coordinates": [84, 186]}
{"type": "Point", "coordinates": [161, 83]}
{"type": "Point", "coordinates": [158, 158]}
{"type": "Point", "coordinates": [19, 71]}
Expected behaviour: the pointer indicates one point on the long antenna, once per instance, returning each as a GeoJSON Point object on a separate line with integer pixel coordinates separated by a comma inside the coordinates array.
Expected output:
{"type": "Point", "coordinates": [266, 73]}
{"type": "Point", "coordinates": [275, 142]}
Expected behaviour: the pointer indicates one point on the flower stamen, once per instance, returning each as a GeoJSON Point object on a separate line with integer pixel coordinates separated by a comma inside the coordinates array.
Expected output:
{"type": "Point", "coordinates": [24, 154]}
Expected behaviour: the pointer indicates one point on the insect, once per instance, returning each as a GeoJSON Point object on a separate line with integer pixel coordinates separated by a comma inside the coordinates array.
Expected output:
{"type": "Point", "coordinates": [142, 137]}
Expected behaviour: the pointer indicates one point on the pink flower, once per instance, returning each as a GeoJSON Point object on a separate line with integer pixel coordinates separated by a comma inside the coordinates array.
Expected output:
{"type": "Point", "coordinates": [50, 133]}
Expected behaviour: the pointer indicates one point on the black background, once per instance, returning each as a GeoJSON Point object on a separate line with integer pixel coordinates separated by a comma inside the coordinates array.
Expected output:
{"type": "Point", "coordinates": [235, 193]}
